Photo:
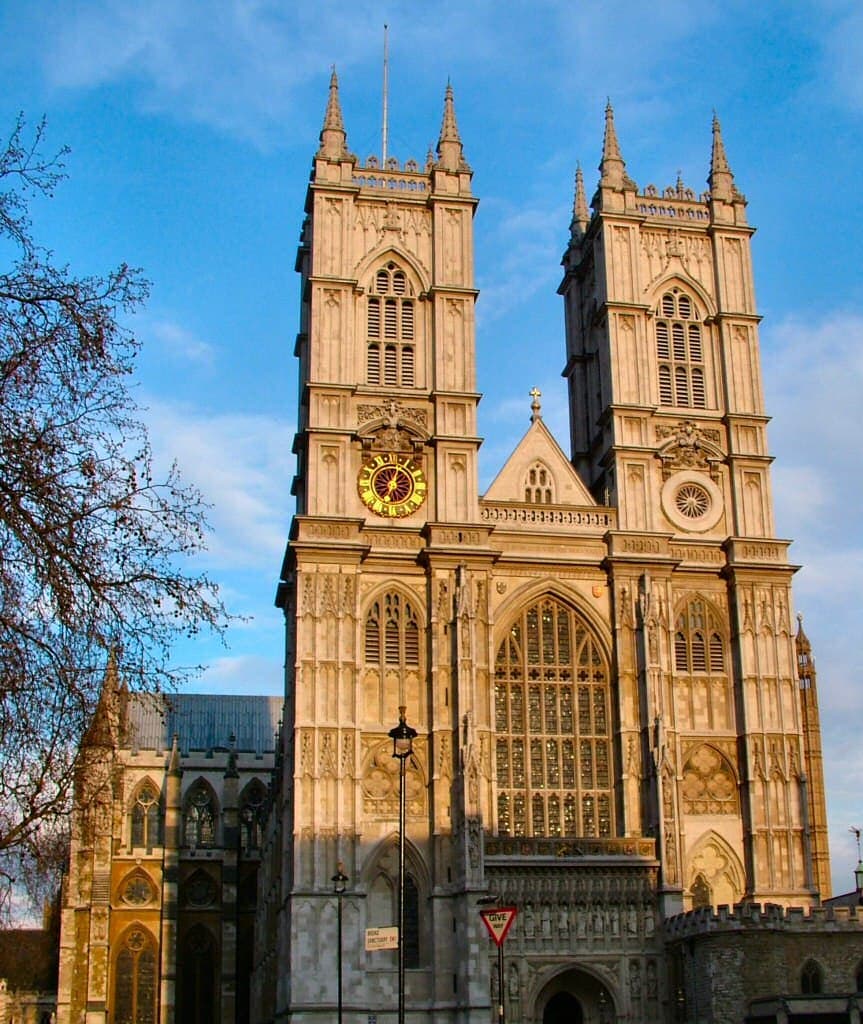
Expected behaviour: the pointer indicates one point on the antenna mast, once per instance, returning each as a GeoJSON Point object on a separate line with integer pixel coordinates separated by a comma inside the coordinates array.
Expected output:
{"type": "Point", "coordinates": [386, 100]}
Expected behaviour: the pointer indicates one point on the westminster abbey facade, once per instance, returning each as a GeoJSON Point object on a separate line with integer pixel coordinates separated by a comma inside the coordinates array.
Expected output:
{"type": "Point", "coordinates": [616, 711]}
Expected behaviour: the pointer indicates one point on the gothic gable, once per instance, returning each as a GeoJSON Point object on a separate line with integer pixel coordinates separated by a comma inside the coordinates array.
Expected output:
{"type": "Point", "coordinates": [538, 473]}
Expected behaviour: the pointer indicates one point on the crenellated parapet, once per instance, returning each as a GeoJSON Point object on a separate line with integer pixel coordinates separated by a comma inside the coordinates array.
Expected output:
{"type": "Point", "coordinates": [768, 916]}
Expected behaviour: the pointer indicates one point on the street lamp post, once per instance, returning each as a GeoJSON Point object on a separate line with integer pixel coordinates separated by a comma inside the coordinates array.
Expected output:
{"type": "Point", "coordinates": [402, 736]}
{"type": "Point", "coordinates": [339, 880]}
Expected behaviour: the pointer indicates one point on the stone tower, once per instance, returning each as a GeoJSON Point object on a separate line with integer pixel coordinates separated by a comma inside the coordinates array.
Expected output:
{"type": "Point", "coordinates": [387, 501]}
{"type": "Point", "coordinates": [668, 426]}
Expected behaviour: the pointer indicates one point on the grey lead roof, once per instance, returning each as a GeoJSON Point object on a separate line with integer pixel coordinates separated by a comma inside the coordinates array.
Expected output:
{"type": "Point", "coordinates": [203, 721]}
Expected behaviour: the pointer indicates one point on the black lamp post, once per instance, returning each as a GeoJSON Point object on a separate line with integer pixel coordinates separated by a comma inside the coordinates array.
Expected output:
{"type": "Point", "coordinates": [403, 738]}
{"type": "Point", "coordinates": [339, 880]}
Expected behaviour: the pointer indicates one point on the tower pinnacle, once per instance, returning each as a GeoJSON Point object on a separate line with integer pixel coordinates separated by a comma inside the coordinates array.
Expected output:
{"type": "Point", "coordinates": [612, 169]}
{"type": "Point", "coordinates": [449, 148]}
{"type": "Point", "coordinates": [580, 212]}
{"type": "Point", "coordinates": [333, 136]}
{"type": "Point", "coordinates": [720, 180]}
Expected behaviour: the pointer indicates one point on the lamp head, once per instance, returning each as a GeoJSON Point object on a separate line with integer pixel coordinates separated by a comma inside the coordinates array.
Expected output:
{"type": "Point", "coordinates": [402, 737]}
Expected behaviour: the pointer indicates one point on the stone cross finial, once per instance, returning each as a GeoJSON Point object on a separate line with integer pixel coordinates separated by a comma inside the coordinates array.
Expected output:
{"type": "Point", "coordinates": [535, 406]}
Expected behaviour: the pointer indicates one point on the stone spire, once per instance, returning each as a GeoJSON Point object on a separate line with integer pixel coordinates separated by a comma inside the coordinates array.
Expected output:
{"type": "Point", "coordinates": [449, 148]}
{"type": "Point", "coordinates": [720, 180]}
{"type": "Point", "coordinates": [612, 169]}
{"type": "Point", "coordinates": [102, 730]}
{"type": "Point", "coordinates": [333, 137]}
{"type": "Point", "coordinates": [580, 212]}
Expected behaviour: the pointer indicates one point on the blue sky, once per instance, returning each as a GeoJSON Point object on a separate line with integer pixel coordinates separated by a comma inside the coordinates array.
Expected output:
{"type": "Point", "coordinates": [192, 126]}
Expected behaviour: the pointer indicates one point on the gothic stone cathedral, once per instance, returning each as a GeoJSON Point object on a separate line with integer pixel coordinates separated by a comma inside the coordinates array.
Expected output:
{"type": "Point", "coordinates": [617, 725]}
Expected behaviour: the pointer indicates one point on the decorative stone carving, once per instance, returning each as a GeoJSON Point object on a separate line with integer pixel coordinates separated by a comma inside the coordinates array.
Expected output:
{"type": "Point", "coordinates": [708, 786]}
{"type": "Point", "coordinates": [689, 447]}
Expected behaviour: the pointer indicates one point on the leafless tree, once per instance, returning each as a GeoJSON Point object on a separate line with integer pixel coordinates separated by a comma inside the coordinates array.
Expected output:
{"type": "Point", "coordinates": [94, 547]}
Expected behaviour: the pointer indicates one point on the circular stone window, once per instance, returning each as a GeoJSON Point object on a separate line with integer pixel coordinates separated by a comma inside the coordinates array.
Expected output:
{"type": "Point", "coordinates": [692, 502]}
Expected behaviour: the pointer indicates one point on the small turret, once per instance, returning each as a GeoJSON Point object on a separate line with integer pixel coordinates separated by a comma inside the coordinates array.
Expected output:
{"type": "Point", "coordinates": [449, 148]}
{"type": "Point", "coordinates": [333, 136]}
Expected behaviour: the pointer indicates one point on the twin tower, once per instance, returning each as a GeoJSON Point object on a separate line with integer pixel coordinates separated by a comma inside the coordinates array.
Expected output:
{"type": "Point", "coordinates": [616, 723]}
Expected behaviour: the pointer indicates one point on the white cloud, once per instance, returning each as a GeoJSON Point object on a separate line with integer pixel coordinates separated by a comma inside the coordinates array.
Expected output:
{"type": "Point", "coordinates": [245, 673]}
{"type": "Point", "coordinates": [176, 342]}
{"type": "Point", "coordinates": [813, 371]}
{"type": "Point", "coordinates": [243, 466]}
{"type": "Point", "coordinates": [242, 66]}
{"type": "Point", "coordinates": [843, 57]}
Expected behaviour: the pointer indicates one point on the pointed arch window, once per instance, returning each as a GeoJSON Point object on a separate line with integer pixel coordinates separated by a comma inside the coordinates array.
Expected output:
{"type": "Point", "coordinates": [390, 340]}
{"type": "Point", "coordinates": [811, 979]}
{"type": "Point", "coordinates": [135, 979]}
{"type": "Point", "coordinates": [146, 817]}
{"type": "Point", "coordinates": [553, 755]}
{"type": "Point", "coordinates": [196, 977]}
{"type": "Point", "coordinates": [680, 351]}
{"type": "Point", "coordinates": [699, 644]}
{"type": "Point", "coordinates": [199, 817]}
{"type": "Point", "coordinates": [392, 635]}
{"type": "Point", "coordinates": [252, 804]}
{"type": "Point", "coordinates": [539, 485]}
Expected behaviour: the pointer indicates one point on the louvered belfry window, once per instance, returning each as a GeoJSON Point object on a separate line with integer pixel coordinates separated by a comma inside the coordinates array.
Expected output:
{"type": "Point", "coordinates": [699, 647]}
{"type": "Point", "coordinates": [391, 634]}
{"type": "Point", "coordinates": [390, 353]}
{"type": "Point", "coordinates": [680, 352]}
{"type": "Point", "coordinates": [553, 756]}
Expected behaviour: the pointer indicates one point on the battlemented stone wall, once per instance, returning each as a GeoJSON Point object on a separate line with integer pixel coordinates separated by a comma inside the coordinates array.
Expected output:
{"type": "Point", "coordinates": [723, 962]}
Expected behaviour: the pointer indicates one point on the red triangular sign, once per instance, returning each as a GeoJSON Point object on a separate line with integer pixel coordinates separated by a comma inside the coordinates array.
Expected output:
{"type": "Point", "coordinates": [498, 922]}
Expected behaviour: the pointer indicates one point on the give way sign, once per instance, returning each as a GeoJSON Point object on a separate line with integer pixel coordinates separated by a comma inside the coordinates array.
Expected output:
{"type": "Point", "coordinates": [498, 922]}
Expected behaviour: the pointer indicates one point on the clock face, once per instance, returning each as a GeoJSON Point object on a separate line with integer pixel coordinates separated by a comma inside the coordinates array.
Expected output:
{"type": "Point", "coordinates": [392, 485]}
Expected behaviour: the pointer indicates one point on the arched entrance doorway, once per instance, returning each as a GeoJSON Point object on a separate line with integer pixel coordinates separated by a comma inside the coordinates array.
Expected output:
{"type": "Point", "coordinates": [563, 1009]}
{"type": "Point", "coordinates": [574, 996]}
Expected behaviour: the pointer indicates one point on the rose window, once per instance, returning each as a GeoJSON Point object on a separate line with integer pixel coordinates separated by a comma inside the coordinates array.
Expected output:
{"type": "Point", "coordinates": [692, 501]}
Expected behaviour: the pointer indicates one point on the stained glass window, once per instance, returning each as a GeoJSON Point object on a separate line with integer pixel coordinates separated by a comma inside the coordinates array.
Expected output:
{"type": "Point", "coordinates": [553, 758]}
{"type": "Point", "coordinates": [252, 816]}
{"type": "Point", "coordinates": [199, 817]}
{"type": "Point", "coordinates": [146, 817]}
{"type": "Point", "coordinates": [135, 980]}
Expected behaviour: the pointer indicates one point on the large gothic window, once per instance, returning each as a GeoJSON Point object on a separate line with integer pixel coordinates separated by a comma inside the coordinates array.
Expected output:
{"type": "Point", "coordinates": [392, 633]}
{"type": "Point", "coordinates": [390, 336]}
{"type": "Point", "coordinates": [680, 352]}
{"type": "Point", "coordinates": [146, 817]}
{"type": "Point", "coordinates": [553, 726]}
{"type": "Point", "coordinates": [135, 980]}
{"type": "Point", "coordinates": [199, 817]}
